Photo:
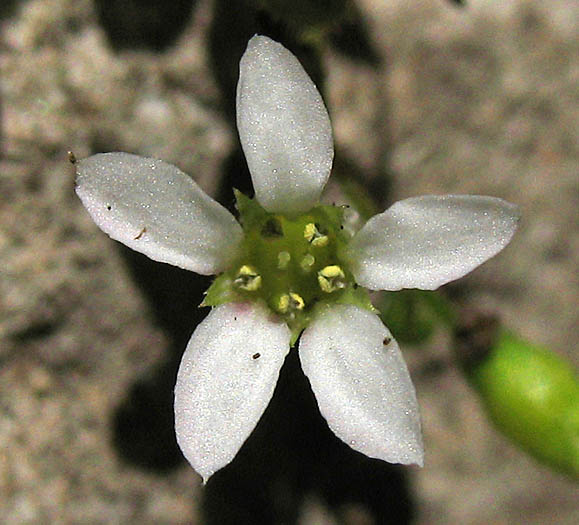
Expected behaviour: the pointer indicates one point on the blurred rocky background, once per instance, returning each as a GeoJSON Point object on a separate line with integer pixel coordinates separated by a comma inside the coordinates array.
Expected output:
{"type": "Point", "coordinates": [426, 96]}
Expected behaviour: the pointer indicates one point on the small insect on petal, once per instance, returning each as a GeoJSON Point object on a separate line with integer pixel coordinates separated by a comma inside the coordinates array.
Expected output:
{"type": "Point", "coordinates": [257, 355]}
{"type": "Point", "coordinates": [143, 231]}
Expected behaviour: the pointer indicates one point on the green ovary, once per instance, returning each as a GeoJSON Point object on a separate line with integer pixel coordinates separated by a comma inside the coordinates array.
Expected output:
{"type": "Point", "coordinates": [291, 264]}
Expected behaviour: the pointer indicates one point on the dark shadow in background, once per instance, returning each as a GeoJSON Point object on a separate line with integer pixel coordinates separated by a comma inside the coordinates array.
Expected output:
{"type": "Point", "coordinates": [292, 453]}
{"type": "Point", "coordinates": [8, 8]}
{"type": "Point", "coordinates": [352, 40]}
{"type": "Point", "coordinates": [144, 428]}
{"type": "Point", "coordinates": [144, 24]}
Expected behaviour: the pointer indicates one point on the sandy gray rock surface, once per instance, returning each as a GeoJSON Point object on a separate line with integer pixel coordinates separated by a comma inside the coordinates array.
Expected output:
{"type": "Point", "coordinates": [476, 100]}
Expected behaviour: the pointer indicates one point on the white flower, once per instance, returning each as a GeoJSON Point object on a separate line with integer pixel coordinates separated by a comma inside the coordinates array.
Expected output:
{"type": "Point", "coordinates": [231, 365]}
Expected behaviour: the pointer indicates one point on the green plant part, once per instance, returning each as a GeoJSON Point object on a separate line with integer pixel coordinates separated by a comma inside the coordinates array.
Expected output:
{"type": "Point", "coordinates": [290, 264]}
{"type": "Point", "coordinates": [532, 396]}
{"type": "Point", "coordinates": [413, 315]}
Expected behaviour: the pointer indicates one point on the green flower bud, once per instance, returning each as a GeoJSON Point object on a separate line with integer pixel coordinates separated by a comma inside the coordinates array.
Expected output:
{"type": "Point", "coordinates": [530, 393]}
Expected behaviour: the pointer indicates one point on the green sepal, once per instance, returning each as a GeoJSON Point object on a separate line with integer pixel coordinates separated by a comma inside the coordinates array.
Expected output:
{"type": "Point", "coordinates": [334, 215]}
{"type": "Point", "coordinates": [251, 213]}
{"type": "Point", "coordinates": [220, 292]}
{"type": "Point", "coordinates": [532, 396]}
{"type": "Point", "coordinates": [356, 296]}
{"type": "Point", "coordinates": [359, 197]}
{"type": "Point", "coordinates": [296, 330]}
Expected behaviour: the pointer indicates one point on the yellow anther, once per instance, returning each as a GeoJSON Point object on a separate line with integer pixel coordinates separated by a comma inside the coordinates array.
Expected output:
{"type": "Point", "coordinates": [313, 235]}
{"type": "Point", "coordinates": [310, 231]}
{"type": "Point", "coordinates": [247, 278]}
{"type": "Point", "coordinates": [331, 272]}
{"type": "Point", "coordinates": [289, 302]}
{"type": "Point", "coordinates": [283, 259]}
{"type": "Point", "coordinates": [283, 303]}
{"type": "Point", "coordinates": [296, 301]}
{"type": "Point", "coordinates": [331, 278]}
{"type": "Point", "coordinates": [320, 241]}
{"type": "Point", "coordinates": [307, 262]}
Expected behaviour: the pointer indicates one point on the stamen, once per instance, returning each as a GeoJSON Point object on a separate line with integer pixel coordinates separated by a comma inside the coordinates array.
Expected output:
{"type": "Point", "coordinates": [313, 235]}
{"type": "Point", "coordinates": [307, 262]}
{"type": "Point", "coordinates": [331, 278]}
{"type": "Point", "coordinates": [296, 301]}
{"type": "Point", "coordinates": [247, 279]}
{"type": "Point", "coordinates": [283, 259]}
{"type": "Point", "coordinates": [283, 302]}
{"type": "Point", "coordinates": [289, 302]}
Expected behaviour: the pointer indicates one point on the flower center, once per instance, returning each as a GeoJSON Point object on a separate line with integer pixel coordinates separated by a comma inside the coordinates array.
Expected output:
{"type": "Point", "coordinates": [290, 264]}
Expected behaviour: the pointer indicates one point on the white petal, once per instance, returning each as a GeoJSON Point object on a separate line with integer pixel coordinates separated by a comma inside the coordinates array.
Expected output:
{"type": "Point", "coordinates": [226, 379]}
{"type": "Point", "coordinates": [425, 242]}
{"type": "Point", "coordinates": [362, 384]}
{"type": "Point", "coordinates": [284, 128]}
{"type": "Point", "coordinates": [158, 210]}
